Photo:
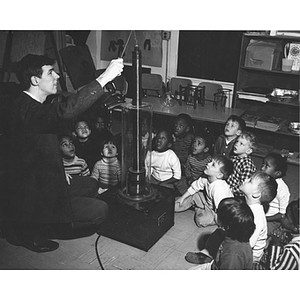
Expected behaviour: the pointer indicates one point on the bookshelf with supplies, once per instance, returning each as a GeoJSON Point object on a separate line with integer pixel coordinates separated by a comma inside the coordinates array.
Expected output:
{"type": "Point", "coordinates": [268, 90]}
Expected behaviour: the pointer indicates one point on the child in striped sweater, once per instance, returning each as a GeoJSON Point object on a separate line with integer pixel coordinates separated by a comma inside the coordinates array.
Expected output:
{"type": "Point", "coordinates": [196, 162]}
{"type": "Point", "coordinates": [107, 171]}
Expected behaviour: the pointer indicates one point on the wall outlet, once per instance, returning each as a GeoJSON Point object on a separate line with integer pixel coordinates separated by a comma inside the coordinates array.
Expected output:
{"type": "Point", "coordinates": [166, 35]}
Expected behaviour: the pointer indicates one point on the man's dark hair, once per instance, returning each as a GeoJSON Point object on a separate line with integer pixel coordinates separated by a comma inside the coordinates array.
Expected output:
{"type": "Point", "coordinates": [31, 65]}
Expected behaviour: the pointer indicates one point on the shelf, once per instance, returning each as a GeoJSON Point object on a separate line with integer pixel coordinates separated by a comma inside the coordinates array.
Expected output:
{"type": "Point", "coordinates": [295, 102]}
{"type": "Point", "coordinates": [291, 73]}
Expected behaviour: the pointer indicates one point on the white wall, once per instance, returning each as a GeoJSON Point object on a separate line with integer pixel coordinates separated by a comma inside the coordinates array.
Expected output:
{"type": "Point", "coordinates": [94, 43]}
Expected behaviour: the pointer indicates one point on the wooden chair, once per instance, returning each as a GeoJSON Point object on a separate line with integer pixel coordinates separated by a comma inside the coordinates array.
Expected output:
{"type": "Point", "coordinates": [152, 85]}
{"type": "Point", "coordinates": [216, 93]}
{"type": "Point", "coordinates": [175, 83]}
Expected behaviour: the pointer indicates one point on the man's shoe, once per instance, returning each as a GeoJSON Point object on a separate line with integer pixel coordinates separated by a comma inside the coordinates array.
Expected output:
{"type": "Point", "coordinates": [197, 258]}
{"type": "Point", "coordinates": [43, 245]}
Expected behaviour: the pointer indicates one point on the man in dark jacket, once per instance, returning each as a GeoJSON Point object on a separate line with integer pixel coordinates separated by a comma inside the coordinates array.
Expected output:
{"type": "Point", "coordinates": [38, 189]}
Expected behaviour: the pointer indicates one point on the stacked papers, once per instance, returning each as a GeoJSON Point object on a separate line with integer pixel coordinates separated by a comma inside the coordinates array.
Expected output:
{"type": "Point", "coordinates": [269, 123]}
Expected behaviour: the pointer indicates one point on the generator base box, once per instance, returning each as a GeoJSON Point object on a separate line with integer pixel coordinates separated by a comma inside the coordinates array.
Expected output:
{"type": "Point", "coordinates": [263, 55]}
{"type": "Point", "coordinates": [141, 225]}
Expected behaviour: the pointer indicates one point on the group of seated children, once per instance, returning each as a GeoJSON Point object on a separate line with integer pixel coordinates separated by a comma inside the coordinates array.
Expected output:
{"type": "Point", "coordinates": [218, 180]}
{"type": "Point", "coordinates": [229, 174]}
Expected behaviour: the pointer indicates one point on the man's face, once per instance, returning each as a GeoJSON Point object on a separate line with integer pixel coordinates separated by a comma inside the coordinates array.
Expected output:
{"type": "Point", "coordinates": [48, 81]}
{"type": "Point", "coordinates": [67, 148]}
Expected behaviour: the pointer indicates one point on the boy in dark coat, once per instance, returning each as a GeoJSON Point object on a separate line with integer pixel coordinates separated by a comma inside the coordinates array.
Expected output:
{"type": "Point", "coordinates": [38, 187]}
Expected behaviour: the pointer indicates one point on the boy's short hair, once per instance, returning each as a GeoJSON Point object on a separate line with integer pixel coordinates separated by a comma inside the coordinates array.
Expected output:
{"type": "Point", "coordinates": [227, 165]}
{"type": "Point", "coordinates": [267, 186]}
{"type": "Point", "coordinates": [251, 138]}
{"type": "Point", "coordinates": [188, 119]}
{"type": "Point", "coordinates": [31, 65]}
{"type": "Point", "coordinates": [280, 163]}
{"type": "Point", "coordinates": [239, 120]}
{"type": "Point", "coordinates": [237, 218]}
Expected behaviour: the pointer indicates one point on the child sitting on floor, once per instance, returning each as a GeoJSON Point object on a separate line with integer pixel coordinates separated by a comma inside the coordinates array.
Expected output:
{"type": "Point", "coordinates": [243, 165]}
{"type": "Point", "coordinates": [236, 221]}
{"type": "Point", "coordinates": [182, 137]}
{"type": "Point", "coordinates": [165, 165]}
{"type": "Point", "coordinates": [275, 165]}
{"type": "Point", "coordinates": [197, 161]}
{"type": "Point", "coordinates": [215, 189]}
{"type": "Point", "coordinates": [85, 146]}
{"type": "Point", "coordinates": [100, 131]}
{"type": "Point", "coordinates": [234, 127]}
{"type": "Point", "coordinates": [259, 189]}
{"type": "Point", "coordinates": [287, 257]}
{"type": "Point", "coordinates": [73, 164]}
{"type": "Point", "coordinates": [107, 171]}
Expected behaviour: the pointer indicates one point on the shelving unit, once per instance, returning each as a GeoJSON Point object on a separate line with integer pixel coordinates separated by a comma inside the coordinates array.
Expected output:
{"type": "Point", "coordinates": [264, 81]}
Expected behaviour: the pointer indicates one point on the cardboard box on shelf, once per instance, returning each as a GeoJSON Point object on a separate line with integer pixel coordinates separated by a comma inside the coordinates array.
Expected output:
{"type": "Point", "coordinates": [263, 55]}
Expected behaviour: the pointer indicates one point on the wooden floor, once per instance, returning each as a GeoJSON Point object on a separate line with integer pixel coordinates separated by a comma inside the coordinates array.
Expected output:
{"type": "Point", "coordinates": [167, 254]}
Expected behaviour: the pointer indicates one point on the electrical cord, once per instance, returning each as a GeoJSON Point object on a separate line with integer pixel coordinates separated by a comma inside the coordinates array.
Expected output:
{"type": "Point", "coordinates": [96, 249]}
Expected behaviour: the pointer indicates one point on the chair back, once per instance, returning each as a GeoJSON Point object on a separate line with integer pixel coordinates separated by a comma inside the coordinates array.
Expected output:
{"type": "Point", "coordinates": [210, 90]}
{"type": "Point", "coordinates": [152, 85]}
{"type": "Point", "coordinates": [175, 83]}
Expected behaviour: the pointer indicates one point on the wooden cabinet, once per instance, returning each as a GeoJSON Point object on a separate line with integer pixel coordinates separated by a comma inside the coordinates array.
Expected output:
{"type": "Point", "coordinates": [255, 85]}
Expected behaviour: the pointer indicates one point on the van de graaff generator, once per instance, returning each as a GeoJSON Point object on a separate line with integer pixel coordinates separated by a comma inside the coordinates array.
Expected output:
{"type": "Point", "coordinates": [136, 142]}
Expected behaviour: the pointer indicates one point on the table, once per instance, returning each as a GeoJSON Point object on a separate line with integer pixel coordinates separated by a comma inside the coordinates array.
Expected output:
{"type": "Point", "coordinates": [208, 112]}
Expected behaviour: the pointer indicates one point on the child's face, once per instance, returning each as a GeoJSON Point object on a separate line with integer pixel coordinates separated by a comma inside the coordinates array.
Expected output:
{"type": "Point", "coordinates": [82, 130]}
{"type": "Point", "coordinates": [161, 142]}
{"type": "Point", "coordinates": [268, 166]}
{"type": "Point", "coordinates": [180, 127]}
{"type": "Point", "coordinates": [199, 146]}
{"type": "Point", "coordinates": [100, 124]}
{"type": "Point", "coordinates": [250, 188]}
{"type": "Point", "coordinates": [242, 147]}
{"type": "Point", "coordinates": [67, 148]}
{"type": "Point", "coordinates": [110, 150]}
{"type": "Point", "coordinates": [232, 128]}
{"type": "Point", "coordinates": [213, 169]}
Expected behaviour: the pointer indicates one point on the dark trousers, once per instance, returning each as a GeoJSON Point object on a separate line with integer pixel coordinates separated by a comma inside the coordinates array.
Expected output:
{"type": "Point", "coordinates": [87, 209]}
{"type": "Point", "coordinates": [88, 214]}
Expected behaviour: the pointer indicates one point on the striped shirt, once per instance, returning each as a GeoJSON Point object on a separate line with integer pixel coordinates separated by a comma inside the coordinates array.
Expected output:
{"type": "Point", "coordinates": [243, 168]}
{"type": "Point", "coordinates": [287, 257]}
{"type": "Point", "coordinates": [194, 168]}
{"type": "Point", "coordinates": [77, 166]}
{"type": "Point", "coordinates": [107, 173]}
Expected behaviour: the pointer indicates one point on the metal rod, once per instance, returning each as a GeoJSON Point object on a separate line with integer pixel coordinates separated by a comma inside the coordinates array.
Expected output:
{"type": "Point", "coordinates": [126, 44]}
